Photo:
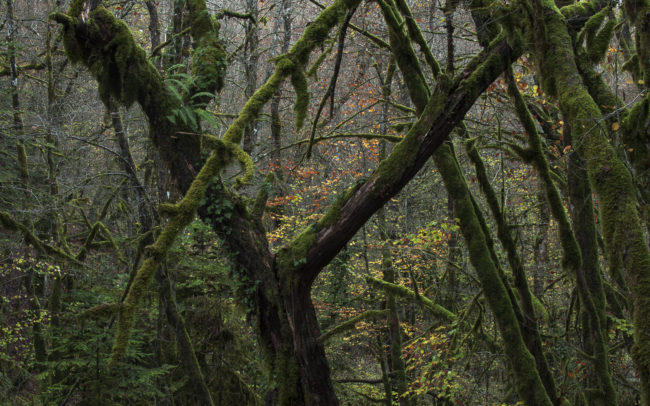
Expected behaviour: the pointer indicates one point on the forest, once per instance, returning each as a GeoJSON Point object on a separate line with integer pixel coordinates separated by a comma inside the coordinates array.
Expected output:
{"type": "Point", "coordinates": [325, 202]}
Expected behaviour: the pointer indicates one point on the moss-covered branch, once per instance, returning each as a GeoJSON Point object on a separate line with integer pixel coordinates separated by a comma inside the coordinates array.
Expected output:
{"type": "Point", "coordinates": [8, 223]}
{"type": "Point", "coordinates": [350, 324]}
{"type": "Point", "coordinates": [292, 64]}
{"type": "Point", "coordinates": [182, 215]}
{"type": "Point", "coordinates": [404, 292]}
{"type": "Point", "coordinates": [372, 37]}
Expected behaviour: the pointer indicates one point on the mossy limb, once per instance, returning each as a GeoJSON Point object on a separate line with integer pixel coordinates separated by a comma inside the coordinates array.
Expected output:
{"type": "Point", "coordinates": [350, 324]}
{"type": "Point", "coordinates": [245, 161]}
{"type": "Point", "coordinates": [598, 46]}
{"type": "Point", "coordinates": [184, 214]}
{"type": "Point", "coordinates": [100, 311]}
{"type": "Point", "coordinates": [263, 195]}
{"type": "Point", "coordinates": [292, 256]}
{"type": "Point", "coordinates": [299, 82]}
{"type": "Point", "coordinates": [402, 291]}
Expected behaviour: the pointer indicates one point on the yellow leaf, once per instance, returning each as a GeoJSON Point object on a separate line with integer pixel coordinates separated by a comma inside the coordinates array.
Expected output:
{"type": "Point", "coordinates": [615, 126]}
{"type": "Point", "coordinates": [630, 150]}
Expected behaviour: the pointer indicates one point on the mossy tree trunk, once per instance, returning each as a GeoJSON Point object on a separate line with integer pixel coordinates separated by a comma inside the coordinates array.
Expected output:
{"type": "Point", "coordinates": [587, 287]}
{"type": "Point", "coordinates": [626, 247]}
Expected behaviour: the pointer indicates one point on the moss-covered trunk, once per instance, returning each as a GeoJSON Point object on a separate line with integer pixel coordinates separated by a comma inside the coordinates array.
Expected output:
{"type": "Point", "coordinates": [623, 234]}
{"type": "Point", "coordinates": [527, 379]}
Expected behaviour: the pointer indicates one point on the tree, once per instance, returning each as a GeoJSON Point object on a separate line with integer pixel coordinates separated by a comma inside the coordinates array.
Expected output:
{"type": "Point", "coordinates": [565, 44]}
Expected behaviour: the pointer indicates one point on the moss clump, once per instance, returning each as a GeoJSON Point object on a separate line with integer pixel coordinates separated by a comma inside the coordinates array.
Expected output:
{"type": "Point", "coordinates": [245, 161]}
{"type": "Point", "coordinates": [292, 256]}
{"type": "Point", "coordinates": [209, 64]}
{"type": "Point", "coordinates": [263, 195]}
{"type": "Point", "coordinates": [581, 8]}
{"type": "Point", "coordinates": [120, 66]}
{"type": "Point", "coordinates": [75, 52]}
{"type": "Point", "coordinates": [598, 42]}
{"type": "Point", "coordinates": [209, 57]}
{"type": "Point", "coordinates": [592, 25]}
{"type": "Point", "coordinates": [299, 82]}
{"type": "Point", "coordinates": [75, 8]}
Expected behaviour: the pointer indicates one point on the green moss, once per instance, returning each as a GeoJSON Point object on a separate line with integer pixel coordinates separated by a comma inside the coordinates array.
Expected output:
{"type": "Point", "coordinates": [598, 46]}
{"type": "Point", "coordinates": [75, 8]}
{"type": "Point", "coordinates": [299, 82]}
{"type": "Point", "coordinates": [168, 209]}
{"type": "Point", "coordinates": [296, 59]}
{"type": "Point", "coordinates": [540, 309]}
{"type": "Point", "coordinates": [100, 311]}
{"type": "Point", "coordinates": [405, 56]}
{"type": "Point", "coordinates": [209, 64]}
{"type": "Point", "coordinates": [485, 67]}
{"type": "Point", "coordinates": [528, 382]}
{"type": "Point", "coordinates": [592, 25]}
{"type": "Point", "coordinates": [571, 251]}
{"type": "Point", "coordinates": [292, 256]}
{"type": "Point", "coordinates": [184, 213]}
{"type": "Point", "coordinates": [350, 324]}
{"type": "Point", "coordinates": [334, 211]}
{"type": "Point", "coordinates": [624, 239]}
{"type": "Point", "coordinates": [245, 161]}
{"type": "Point", "coordinates": [254, 105]}
{"type": "Point", "coordinates": [209, 57]}
{"type": "Point", "coordinates": [263, 195]}
{"type": "Point", "coordinates": [316, 33]}
{"type": "Point", "coordinates": [416, 34]}
{"type": "Point", "coordinates": [638, 11]}
{"type": "Point", "coordinates": [404, 292]}
{"type": "Point", "coordinates": [313, 70]}
{"type": "Point", "coordinates": [73, 49]}
{"type": "Point", "coordinates": [581, 8]}
{"type": "Point", "coordinates": [403, 155]}
{"type": "Point", "coordinates": [211, 142]}
{"type": "Point", "coordinates": [200, 21]}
